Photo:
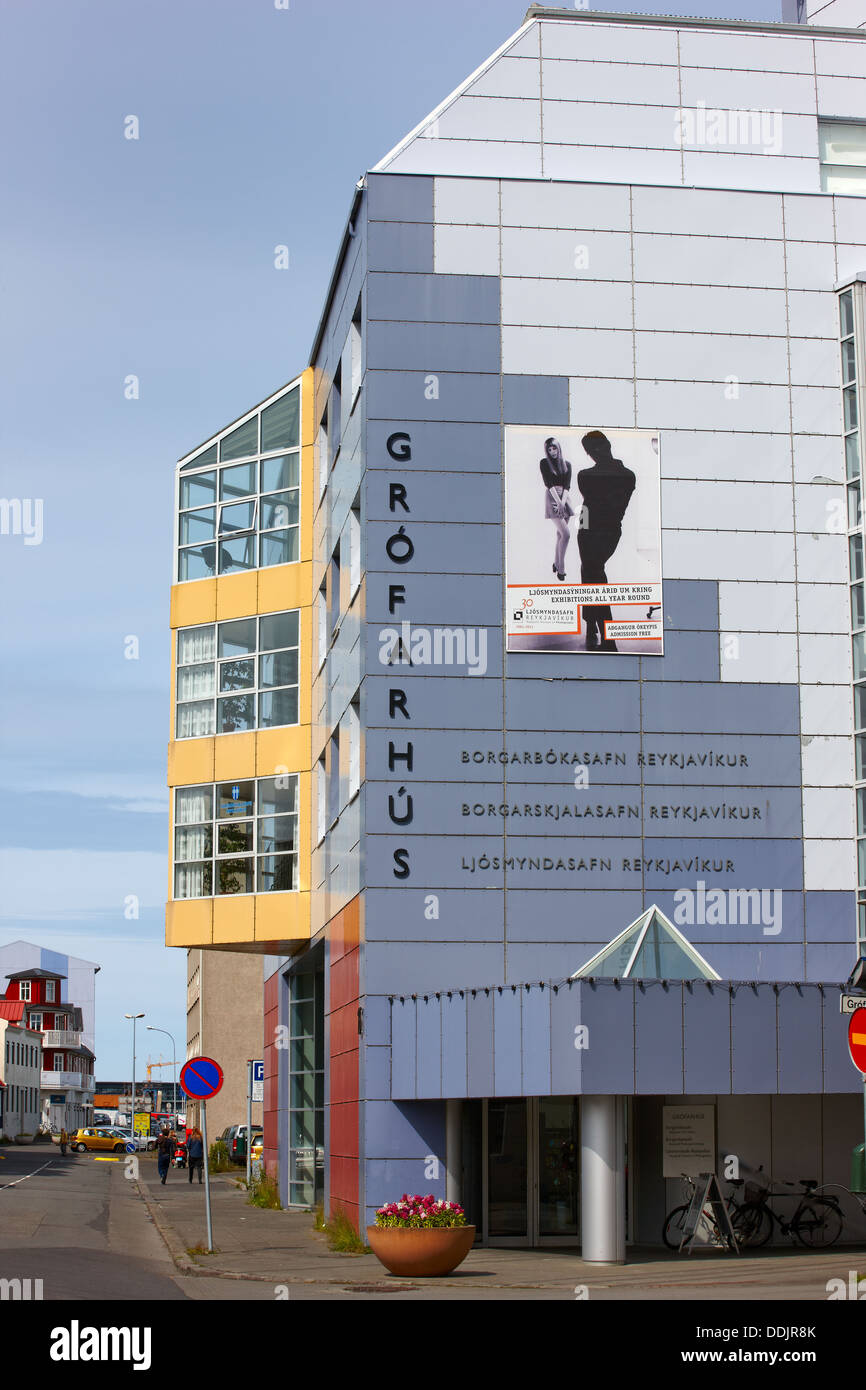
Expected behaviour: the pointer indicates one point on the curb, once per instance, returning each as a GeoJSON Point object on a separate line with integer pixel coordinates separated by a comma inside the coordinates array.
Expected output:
{"type": "Point", "coordinates": [169, 1236]}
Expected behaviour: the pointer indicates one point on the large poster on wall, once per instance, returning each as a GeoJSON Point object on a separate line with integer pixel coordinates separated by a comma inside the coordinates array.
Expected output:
{"type": "Point", "coordinates": [583, 568]}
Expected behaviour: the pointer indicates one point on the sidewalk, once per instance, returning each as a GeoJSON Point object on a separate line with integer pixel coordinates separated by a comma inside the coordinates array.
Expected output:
{"type": "Point", "coordinates": [281, 1248]}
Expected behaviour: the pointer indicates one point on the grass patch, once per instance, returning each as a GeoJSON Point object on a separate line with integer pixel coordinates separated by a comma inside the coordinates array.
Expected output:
{"type": "Point", "coordinates": [319, 1217]}
{"type": "Point", "coordinates": [264, 1191]}
{"type": "Point", "coordinates": [342, 1236]}
{"type": "Point", "coordinates": [194, 1251]}
{"type": "Point", "coordinates": [218, 1158]}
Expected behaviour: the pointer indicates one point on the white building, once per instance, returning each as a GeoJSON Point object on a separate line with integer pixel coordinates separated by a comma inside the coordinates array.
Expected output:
{"type": "Point", "coordinates": [20, 1073]}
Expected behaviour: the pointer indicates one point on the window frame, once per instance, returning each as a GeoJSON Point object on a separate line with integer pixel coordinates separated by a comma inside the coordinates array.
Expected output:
{"type": "Point", "coordinates": [826, 168]}
{"type": "Point", "coordinates": [256, 817]}
{"type": "Point", "coordinates": [256, 690]}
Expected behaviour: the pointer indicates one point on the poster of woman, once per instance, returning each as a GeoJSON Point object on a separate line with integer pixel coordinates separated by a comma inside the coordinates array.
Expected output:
{"type": "Point", "coordinates": [583, 540]}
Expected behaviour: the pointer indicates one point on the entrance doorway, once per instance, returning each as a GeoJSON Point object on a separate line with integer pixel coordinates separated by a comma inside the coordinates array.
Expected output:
{"type": "Point", "coordinates": [531, 1171]}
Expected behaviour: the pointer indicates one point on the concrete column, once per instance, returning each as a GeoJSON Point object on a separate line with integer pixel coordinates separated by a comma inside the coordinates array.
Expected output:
{"type": "Point", "coordinates": [453, 1149]}
{"type": "Point", "coordinates": [602, 1179]}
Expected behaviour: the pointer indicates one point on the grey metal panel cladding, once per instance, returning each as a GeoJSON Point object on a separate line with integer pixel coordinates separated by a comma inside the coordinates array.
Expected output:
{"type": "Point", "coordinates": [479, 1042]}
{"type": "Point", "coordinates": [433, 347]}
{"type": "Point", "coordinates": [829, 916]}
{"type": "Point", "coordinates": [400, 246]}
{"type": "Point", "coordinates": [404, 1047]}
{"type": "Point", "coordinates": [753, 1040]}
{"type": "Point", "coordinates": [437, 600]}
{"type": "Point", "coordinates": [526, 399]}
{"type": "Point", "coordinates": [454, 1045]}
{"type": "Point", "coordinates": [429, 1048]}
{"type": "Point", "coordinates": [436, 703]}
{"type": "Point", "coordinates": [464, 915]}
{"type": "Point", "coordinates": [400, 197]}
{"type": "Point", "coordinates": [507, 1071]}
{"type": "Point", "coordinates": [404, 1131]}
{"type": "Point", "coordinates": [688, 656]}
{"type": "Point", "coordinates": [839, 1071]}
{"type": "Point", "coordinates": [722, 708]}
{"type": "Point", "coordinates": [593, 705]}
{"type": "Point", "coordinates": [462, 396]}
{"type": "Point", "coordinates": [609, 1060]}
{"type": "Point", "coordinates": [799, 1015]}
{"type": "Point", "coordinates": [535, 1040]}
{"type": "Point", "coordinates": [433, 298]}
{"type": "Point", "coordinates": [434, 446]}
{"type": "Point", "coordinates": [658, 1027]}
{"type": "Point", "coordinates": [707, 1039]}
{"type": "Point", "coordinates": [691, 605]}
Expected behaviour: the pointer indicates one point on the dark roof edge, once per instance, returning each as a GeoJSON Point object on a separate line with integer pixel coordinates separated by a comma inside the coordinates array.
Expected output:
{"type": "Point", "coordinates": [348, 233]}
{"type": "Point", "coordinates": [688, 21]}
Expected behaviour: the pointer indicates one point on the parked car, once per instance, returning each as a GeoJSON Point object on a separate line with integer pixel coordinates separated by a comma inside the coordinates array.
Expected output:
{"type": "Point", "coordinates": [237, 1142]}
{"type": "Point", "coordinates": [98, 1141]}
{"type": "Point", "coordinates": [141, 1141]}
{"type": "Point", "coordinates": [258, 1146]}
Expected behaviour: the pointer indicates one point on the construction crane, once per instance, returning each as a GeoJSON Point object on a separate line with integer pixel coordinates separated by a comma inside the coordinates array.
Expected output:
{"type": "Point", "coordinates": [150, 1067]}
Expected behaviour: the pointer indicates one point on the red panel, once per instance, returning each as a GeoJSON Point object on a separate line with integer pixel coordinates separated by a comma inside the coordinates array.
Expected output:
{"type": "Point", "coordinates": [344, 1183]}
{"type": "Point", "coordinates": [344, 1029]}
{"type": "Point", "coordinates": [344, 1077]}
{"type": "Point", "coordinates": [344, 980]}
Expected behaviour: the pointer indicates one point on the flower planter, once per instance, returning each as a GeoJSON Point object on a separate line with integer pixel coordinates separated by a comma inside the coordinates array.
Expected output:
{"type": "Point", "coordinates": [419, 1253]}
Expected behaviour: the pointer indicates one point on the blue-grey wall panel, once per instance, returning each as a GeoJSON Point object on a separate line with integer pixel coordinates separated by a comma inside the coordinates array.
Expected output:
{"type": "Point", "coordinates": [557, 914]}
{"type": "Point", "coordinates": [543, 960]}
{"type": "Point", "coordinates": [399, 198]}
{"type": "Point", "coordinates": [765, 814]}
{"type": "Point", "coordinates": [753, 1023]}
{"type": "Point", "coordinates": [433, 598]}
{"type": "Point", "coordinates": [688, 656]}
{"type": "Point", "coordinates": [722, 708]}
{"type": "Point", "coordinates": [400, 246]}
{"type": "Point", "coordinates": [840, 1073]}
{"type": "Point", "coordinates": [536, 1040]}
{"type": "Point", "coordinates": [433, 347]}
{"type": "Point", "coordinates": [760, 959]}
{"type": "Point", "coordinates": [523, 759]}
{"type": "Point", "coordinates": [762, 760]}
{"type": "Point", "coordinates": [690, 605]}
{"type": "Point", "coordinates": [454, 1070]}
{"type": "Point", "coordinates": [734, 863]}
{"type": "Point", "coordinates": [388, 1179]}
{"type": "Point", "coordinates": [706, 1039]}
{"type": "Point", "coordinates": [800, 1042]}
{"type": "Point", "coordinates": [830, 962]}
{"type": "Point", "coordinates": [430, 497]}
{"type": "Point", "coordinates": [507, 1075]}
{"type": "Point", "coordinates": [418, 651]}
{"type": "Point", "coordinates": [567, 1061]}
{"type": "Point", "coordinates": [831, 917]}
{"type": "Point", "coordinates": [479, 1040]}
{"type": "Point", "coordinates": [564, 667]}
{"type": "Point", "coordinates": [436, 703]}
{"type": "Point", "coordinates": [377, 1014]}
{"type": "Point", "coordinates": [451, 965]}
{"type": "Point", "coordinates": [592, 705]}
{"type": "Point", "coordinates": [404, 1129]}
{"type": "Point", "coordinates": [433, 298]}
{"type": "Point", "coordinates": [377, 1073]}
{"type": "Point", "coordinates": [404, 915]}
{"type": "Point", "coordinates": [609, 1060]}
{"type": "Point", "coordinates": [749, 928]}
{"type": "Point", "coordinates": [470, 548]}
{"type": "Point", "coordinates": [406, 396]}
{"type": "Point", "coordinates": [527, 400]}
{"type": "Point", "coordinates": [429, 1047]}
{"type": "Point", "coordinates": [658, 1047]}
{"type": "Point", "coordinates": [404, 1077]}
{"type": "Point", "coordinates": [434, 445]}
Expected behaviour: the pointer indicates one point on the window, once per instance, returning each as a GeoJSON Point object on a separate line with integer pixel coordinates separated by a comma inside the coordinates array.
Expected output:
{"type": "Point", "coordinates": [306, 1117]}
{"type": "Point", "coordinates": [851, 338]}
{"type": "Point", "coordinates": [350, 367]}
{"type": "Point", "coordinates": [25, 990]}
{"type": "Point", "coordinates": [323, 455]}
{"type": "Point", "coordinates": [50, 986]}
{"type": "Point", "coordinates": [237, 675]}
{"type": "Point", "coordinates": [843, 156]}
{"type": "Point", "coordinates": [322, 625]}
{"type": "Point", "coordinates": [239, 499]}
{"type": "Point", "coordinates": [354, 549]}
{"type": "Point", "coordinates": [321, 801]}
{"type": "Point", "coordinates": [354, 748]}
{"type": "Point", "coordinates": [36, 1021]}
{"type": "Point", "coordinates": [334, 806]}
{"type": "Point", "coordinates": [236, 837]}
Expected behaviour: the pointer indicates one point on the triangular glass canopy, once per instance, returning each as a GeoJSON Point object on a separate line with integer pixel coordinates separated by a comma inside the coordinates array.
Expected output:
{"type": "Point", "coordinates": [651, 948]}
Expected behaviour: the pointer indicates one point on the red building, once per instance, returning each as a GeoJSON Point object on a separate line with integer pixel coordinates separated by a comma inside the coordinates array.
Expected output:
{"type": "Point", "coordinates": [34, 997]}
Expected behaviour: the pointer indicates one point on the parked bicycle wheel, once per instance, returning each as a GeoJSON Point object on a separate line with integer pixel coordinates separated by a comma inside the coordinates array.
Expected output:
{"type": "Point", "coordinates": [818, 1223]}
{"type": "Point", "coordinates": [672, 1231]}
{"type": "Point", "coordinates": [753, 1225]}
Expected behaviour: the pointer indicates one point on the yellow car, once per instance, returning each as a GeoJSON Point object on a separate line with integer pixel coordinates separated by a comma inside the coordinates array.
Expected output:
{"type": "Point", "coordinates": [258, 1145]}
{"type": "Point", "coordinates": [98, 1140]}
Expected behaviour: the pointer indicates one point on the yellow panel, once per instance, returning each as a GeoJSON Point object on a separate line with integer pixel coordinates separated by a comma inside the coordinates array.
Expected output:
{"type": "Point", "coordinates": [282, 748]}
{"type": "Point", "coordinates": [305, 821]}
{"type": "Point", "coordinates": [236, 595]}
{"type": "Point", "coordinates": [233, 919]}
{"type": "Point", "coordinates": [234, 756]}
{"type": "Point", "coordinates": [191, 760]}
{"type": "Point", "coordinates": [171, 677]}
{"type": "Point", "coordinates": [284, 586]}
{"type": "Point", "coordinates": [194, 602]}
{"type": "Point", "coordinates": [282, 917]}
{"type": "Point", "coordinates": [308, 428]}
{"type": "Point", "coordinates": [305, 692]}
{"type": "Point", "coordinates": [189, 922]}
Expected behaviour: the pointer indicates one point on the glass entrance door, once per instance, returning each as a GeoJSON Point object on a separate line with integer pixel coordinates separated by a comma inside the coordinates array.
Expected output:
{"type": "Point", "coordinates": [531, 1171]}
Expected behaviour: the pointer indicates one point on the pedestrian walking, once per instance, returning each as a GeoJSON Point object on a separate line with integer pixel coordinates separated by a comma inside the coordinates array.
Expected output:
{"type": "Point", "coordinates": [64, 1140]}
{"type": "Point", "coordinates": [164, 1151]}
{"type": "Point", "coordinates": [195, 1151]}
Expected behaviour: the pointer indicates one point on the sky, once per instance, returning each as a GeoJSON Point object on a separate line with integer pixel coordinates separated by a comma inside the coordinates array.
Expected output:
{"type": "Point", "coordinates": [140, 311]}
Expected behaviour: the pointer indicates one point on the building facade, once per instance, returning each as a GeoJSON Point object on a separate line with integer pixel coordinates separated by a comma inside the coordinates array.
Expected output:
{"type": "Point", "coordinates": [34, 1000]}
{"type": "Point", "coordinates": [576, 847]}
{"type": "Point", "coordinates": [21, 1062]}
{"type": "Point", "coordinates": [224, 1020]}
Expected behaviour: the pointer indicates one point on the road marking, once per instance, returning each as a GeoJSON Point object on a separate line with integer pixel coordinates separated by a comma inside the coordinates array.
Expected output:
{"type": "Point", "coordinates": [27, 1175]}
{"type": "Point", "coordinates": [106, 1158]}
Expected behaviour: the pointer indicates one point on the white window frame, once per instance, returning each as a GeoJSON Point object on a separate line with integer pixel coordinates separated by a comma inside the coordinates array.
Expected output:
{"type": "Point", "coordinates": [51, 991]}
{"type": "Point", "coordinates": [828, 169]}
{"type": "Point", "coordinates": [354, 720]}
{"type": "Point", "coordinates": [255, 690]}
{"type": "Point", "coordinates": [354, 531]}
{"type": "Point", "coordinates": [321, 801]}
{"type": "Point", "coordinates": [254, 855]}
{"type": "Point", "coordinates": [24, 991]}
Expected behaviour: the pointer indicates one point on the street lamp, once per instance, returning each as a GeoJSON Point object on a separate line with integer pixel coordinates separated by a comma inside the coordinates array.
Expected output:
{"type": "Point", "coordinates": [132, 1097]}
{"type": "Point", "coordinates": [151, 1029]}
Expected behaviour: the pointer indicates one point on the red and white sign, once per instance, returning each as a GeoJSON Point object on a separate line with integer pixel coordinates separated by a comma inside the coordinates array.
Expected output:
{"type": "Point", "coordinates": [857, 1039]}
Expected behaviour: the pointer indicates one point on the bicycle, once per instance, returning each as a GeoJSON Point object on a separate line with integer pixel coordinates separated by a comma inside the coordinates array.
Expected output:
{"type": "Point", "coordinates": [817, 1222]}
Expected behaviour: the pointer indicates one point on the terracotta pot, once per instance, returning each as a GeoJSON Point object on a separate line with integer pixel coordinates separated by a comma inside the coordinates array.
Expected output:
{"type": "Point", "coordinates": [419, 1253]}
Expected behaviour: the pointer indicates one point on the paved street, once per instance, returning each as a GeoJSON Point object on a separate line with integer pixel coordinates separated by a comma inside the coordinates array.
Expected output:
{"type": "Point", "coordinates": [88, 1231]}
